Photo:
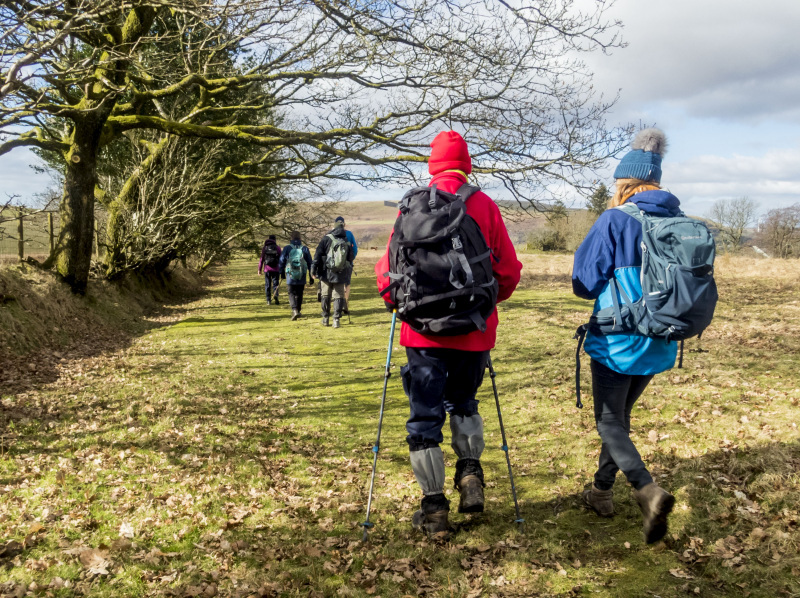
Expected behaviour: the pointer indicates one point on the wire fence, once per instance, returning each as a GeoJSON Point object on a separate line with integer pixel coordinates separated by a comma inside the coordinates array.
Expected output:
{"type": "Point", "coordinates": [26, 233]}
{"type": "Point", "coordinates": [32, 233]}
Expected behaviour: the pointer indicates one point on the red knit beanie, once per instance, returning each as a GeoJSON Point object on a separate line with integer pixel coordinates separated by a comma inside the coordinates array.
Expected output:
{"type": "Point", "coordinates": [449, 152]}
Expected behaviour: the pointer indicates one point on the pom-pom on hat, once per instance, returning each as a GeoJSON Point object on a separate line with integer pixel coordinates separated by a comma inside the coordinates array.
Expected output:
{"type": "Point", "coordinates": [643, 162]}
{"type": "Point", "coordinates": [449, 152]}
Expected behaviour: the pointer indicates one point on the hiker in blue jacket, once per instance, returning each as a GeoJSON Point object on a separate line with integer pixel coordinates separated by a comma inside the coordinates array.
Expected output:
{"type": "Point", "coordinates": [623, 364]}
{"type": "Point", "coordinates": [295, 265]}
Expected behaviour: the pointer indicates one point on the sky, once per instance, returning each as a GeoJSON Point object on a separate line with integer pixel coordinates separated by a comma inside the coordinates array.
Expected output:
{"type": "Point", "coordinates": [720, 77]}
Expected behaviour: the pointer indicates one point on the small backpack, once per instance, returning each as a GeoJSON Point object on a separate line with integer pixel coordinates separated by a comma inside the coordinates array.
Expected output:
{"type": "Point", "coordinates": [679, 293]}
{"type": "Point", "coordinates": [270, 254]}
{"type": "Point", "coordinates": [336, 259]}
{"type": "Point", "coordinates": [440, 265]}
{"type": "Point", "coordinates": [295, 264]}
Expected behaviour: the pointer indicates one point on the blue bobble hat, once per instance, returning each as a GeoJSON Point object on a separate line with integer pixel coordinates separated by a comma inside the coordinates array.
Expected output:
{"type": "Point", "coordinates": [643, 162]}
{"type": "Point", "coordinates": [339, 219]}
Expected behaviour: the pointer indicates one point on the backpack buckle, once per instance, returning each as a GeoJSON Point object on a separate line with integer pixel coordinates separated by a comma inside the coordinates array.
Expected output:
{"type": "Point", "coordinates": [457, 243]}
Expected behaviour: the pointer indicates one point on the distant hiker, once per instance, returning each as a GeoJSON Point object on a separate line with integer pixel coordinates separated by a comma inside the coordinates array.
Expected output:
{"type": "Point", "coordinates": [352, 240]}
{"type": "Point", "coordinates": [459, 267]}
{"type": "Point", "coordinates": [295, 265]}
{"type": "Point", "coordinates": [332, 260]}
{"type": "Point", "coordinates": [608, 268]}
{"type": "Point", "coordinates": [269, 266]}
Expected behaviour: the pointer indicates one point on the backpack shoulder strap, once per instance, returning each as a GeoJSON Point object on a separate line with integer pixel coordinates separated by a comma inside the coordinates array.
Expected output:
{"type": "Point", "coordinates": [632, 210]}
{"type": "Point", "coordinates": [466, 191]}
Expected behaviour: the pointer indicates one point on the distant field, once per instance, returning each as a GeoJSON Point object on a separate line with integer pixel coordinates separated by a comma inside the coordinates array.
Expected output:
{"type": "Point", "coordinates": [371, 222]}
{"type": "Point", "coordinates": [37, 240]}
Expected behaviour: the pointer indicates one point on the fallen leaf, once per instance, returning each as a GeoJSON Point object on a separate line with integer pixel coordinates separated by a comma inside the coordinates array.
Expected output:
{"type": "Point", "coordinates": [126, 530]}
{"type": "Point", "coordinates": [94, 561]}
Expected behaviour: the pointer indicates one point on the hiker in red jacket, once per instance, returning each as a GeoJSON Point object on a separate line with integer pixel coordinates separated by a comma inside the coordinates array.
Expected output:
{"type": "Point", "coordinates": [444, 373]}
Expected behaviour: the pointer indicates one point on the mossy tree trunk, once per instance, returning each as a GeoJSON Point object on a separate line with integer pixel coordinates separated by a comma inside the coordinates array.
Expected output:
{"type": "Point", "coordinates": [73, 253]}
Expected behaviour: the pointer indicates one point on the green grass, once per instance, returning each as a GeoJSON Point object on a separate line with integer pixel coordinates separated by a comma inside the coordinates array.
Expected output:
{"type": "Point", "coordinates": [235, 448]}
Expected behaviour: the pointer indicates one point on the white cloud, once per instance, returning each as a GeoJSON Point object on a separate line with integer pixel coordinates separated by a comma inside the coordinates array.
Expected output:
{"type": "Point", "coordinates": [712, 58]}
{"type": "Point", "coordinates": [772, 180]}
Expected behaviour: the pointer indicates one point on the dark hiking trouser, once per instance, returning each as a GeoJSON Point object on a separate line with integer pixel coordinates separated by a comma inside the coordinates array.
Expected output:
{"type": "Point", "coordinates": [272, 280]}
{"type": "Point", "coordinates": [614, 397]}
{"type": "Point", "coordinates": [296, 296]}
{"type": "Point", "coordinates": [335, 291]}
{"type": "Point", "coordinates": [438, 382]}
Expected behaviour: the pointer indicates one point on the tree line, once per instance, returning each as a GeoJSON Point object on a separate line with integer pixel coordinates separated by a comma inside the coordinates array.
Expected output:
{"type": "Point", "coordinates": [731, 221]}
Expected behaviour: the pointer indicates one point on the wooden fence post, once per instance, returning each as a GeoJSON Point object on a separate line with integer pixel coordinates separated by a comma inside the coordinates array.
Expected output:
{"type": "Point", "coordinates": [50, 230]}
{"type": "Point", "coordinates": [20, 237]}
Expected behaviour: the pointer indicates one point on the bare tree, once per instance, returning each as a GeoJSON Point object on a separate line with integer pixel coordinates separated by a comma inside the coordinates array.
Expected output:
{"type": "Point", "coordinates": [731, 218]}
{"type": "Point", "coordinates": [781, 231]}
{"type": "Point", "coordinates": [356, 89]}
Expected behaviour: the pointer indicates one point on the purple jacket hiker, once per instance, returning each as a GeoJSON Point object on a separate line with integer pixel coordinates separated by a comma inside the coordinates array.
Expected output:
{"type": "Point", "coordinates": [263, 267]}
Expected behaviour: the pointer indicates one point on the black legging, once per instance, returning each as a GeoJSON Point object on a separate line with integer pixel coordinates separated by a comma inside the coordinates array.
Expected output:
{"type": "Point", "coordinates": [614, 397]}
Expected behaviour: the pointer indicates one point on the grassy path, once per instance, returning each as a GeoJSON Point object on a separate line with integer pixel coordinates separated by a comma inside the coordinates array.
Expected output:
{"type": "Point", "coordinates": [229, 454]}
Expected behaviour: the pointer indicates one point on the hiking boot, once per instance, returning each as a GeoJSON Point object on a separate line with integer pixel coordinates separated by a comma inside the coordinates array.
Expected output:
{"type": "Point", "coordinates": [295, 314]}
{"type": "Point", "coordinates": [471, 489]}
{"type": "Point", "coordinates": [276, 300]}
{"type": "Point", "coordinates": [325, 320]}
{"type": "Point", "coordinates": [656, 504]}
{"type": "Point", "coordinates": [434, 525]}
{"type": "Point", "coordinates": [468, 480]}
{"type": "Point", "coordinates": [336, 322]}
{"type": "Point", "coordinates": [269, 302]}
{"type": "Point", "coordinates": [600, 501]}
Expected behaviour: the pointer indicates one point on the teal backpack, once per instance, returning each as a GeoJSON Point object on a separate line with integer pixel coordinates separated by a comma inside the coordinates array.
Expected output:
{"type": "Point", "coordinates": [678, 289]}
{"type": "Point", "coordinates": [296, 265]}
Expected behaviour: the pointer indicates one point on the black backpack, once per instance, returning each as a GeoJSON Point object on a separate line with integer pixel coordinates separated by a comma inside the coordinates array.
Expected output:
{"type": "Point", "coordinates": [440, 265]}
{"type": "Point", "coordinates": [270, 253]}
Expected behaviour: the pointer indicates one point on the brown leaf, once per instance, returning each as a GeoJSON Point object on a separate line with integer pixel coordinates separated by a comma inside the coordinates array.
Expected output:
{"type": "Point", "coordinates": [121, 544]}
{"type": "Point", "coordinates": [94, 561]}
{"type": "Point", "coordinates": [12, 549]}
{"type": "Point", "coordinates": [680, 574]}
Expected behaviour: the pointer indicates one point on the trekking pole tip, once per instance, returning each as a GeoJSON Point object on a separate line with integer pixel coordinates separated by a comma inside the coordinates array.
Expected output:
{"type": "Point", "coordinates": [366, 525]}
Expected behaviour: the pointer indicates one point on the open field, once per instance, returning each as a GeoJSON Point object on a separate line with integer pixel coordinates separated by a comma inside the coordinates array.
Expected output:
{"type": "Point", "coordinates": [229, 454]}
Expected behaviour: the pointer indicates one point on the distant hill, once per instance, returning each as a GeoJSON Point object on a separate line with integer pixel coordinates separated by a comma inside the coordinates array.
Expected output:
{"type": "Point", "coordinates": [371, 222]}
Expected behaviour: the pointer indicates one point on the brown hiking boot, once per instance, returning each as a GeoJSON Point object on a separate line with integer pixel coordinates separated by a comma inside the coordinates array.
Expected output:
{"type": "Point", "coordinates": [471, 489]}
{"type": "Point", "coordinates": [434, 525]}
{"type": "Point", "coordinates": [656, 504]}
{"type": "Point", "coordinates": [599, 500]}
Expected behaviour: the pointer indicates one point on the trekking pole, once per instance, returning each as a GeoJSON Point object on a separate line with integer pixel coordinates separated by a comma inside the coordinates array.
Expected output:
{"type": "Point", "coordinates": [519, 520]}
{"type": "Point", "coordinates": [386, 375]}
